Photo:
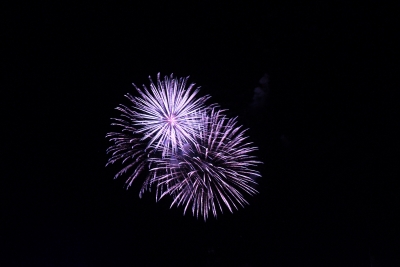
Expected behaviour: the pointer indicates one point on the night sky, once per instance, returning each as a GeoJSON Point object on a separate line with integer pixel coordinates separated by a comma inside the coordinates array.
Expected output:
{"type": "Point", "coordinates": [314, 83]}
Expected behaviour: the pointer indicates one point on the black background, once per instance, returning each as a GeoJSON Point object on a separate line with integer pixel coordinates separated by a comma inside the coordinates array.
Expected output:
{"type": "Point", "coordinates": [329, 195]}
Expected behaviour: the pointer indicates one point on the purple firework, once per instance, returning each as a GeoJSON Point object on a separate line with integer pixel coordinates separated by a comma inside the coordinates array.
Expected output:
{"type": "Point", "coordinates": [213, 171]}
{"type": "Point", "coordinates": [167, 115]}
{"type": "Point", "coordinates": [191, 151]}
{"type": "Point", "coordinates": [159, 120]}
{"type": "Point", "coordinates": [128, 149]}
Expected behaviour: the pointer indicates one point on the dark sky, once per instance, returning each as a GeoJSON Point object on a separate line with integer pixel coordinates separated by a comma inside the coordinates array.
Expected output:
{"type": "Point", "coordinates": [329, 194]}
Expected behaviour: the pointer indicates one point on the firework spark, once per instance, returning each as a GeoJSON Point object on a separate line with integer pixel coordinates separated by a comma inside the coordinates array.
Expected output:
{"type": "Point", "coordinates": [127, 148]}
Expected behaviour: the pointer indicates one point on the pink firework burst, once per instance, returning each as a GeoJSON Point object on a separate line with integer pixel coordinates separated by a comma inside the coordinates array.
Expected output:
{"type": "Point", "coordinates": [189, 150]}
{"type": "Point", "coordinates": [168, 114]}
{"type": "Point", "coordinates": [212, 172]}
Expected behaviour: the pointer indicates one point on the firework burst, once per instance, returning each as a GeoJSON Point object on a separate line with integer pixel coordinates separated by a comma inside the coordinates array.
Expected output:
{"type": "Point", "coordinates": [191, 151]}
{"type": "Point", "coordinates": [216, 169]}
{"type": "Point", "coordinates": [167, 114]}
